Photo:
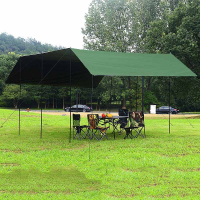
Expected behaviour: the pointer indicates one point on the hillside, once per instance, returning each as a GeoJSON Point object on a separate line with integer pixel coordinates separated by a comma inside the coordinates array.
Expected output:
{"type": "Point", "coordinates": [9, 43]}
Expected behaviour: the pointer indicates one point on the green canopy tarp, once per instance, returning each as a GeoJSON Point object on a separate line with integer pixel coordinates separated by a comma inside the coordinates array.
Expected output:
{"type": "Point", "coordinates": [53, 68]}
{"type": "Point", "coordinates": [132, 64]}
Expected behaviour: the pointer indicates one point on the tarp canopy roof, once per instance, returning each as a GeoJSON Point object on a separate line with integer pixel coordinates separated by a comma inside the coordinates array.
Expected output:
{"type": "Point", "coordinates": [53, 68]}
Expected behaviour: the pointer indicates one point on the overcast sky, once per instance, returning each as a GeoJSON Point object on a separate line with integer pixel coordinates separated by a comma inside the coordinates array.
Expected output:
{"type": "Point", "coordinates": [56, 22]}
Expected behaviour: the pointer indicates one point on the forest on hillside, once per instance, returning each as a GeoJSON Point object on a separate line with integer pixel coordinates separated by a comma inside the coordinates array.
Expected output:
{"type": "Point", "coordinates": [140, 26]}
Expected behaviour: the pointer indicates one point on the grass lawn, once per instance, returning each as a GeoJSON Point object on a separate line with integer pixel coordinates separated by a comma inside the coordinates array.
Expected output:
{"type": "Point", "coordinates": [160, 166]}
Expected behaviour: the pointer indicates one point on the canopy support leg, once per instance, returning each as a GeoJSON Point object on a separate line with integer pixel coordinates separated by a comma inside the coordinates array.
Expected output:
{"type": "Point", "coordinates": [70, 134]}
{"type": "Point", "coordinates": [143, 100]}
{"type": "Point", "coordinates": [77, 100]}
{"type": "Point", "coordinates": [92, 92]}
{"type": "Point", "coordinates": [20, 98]}
{"type": "Point", "coordinates": [169, 102]}
{"type": "Point", "coordinates": [143, 94]}
{"type": "Point", "coordinates": [110, 93]}
{"type": "Point", "coordinates": [136, 93]}
{"type": "Point", "coordinates": [41, 121]}
{"type": "Point", "coordinates": [41, 97]}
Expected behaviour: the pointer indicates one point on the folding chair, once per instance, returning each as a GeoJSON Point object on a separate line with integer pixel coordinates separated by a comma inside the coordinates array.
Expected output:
{"type": "Point", "coordinates": [122, 121]}
{"type": "Point", "coordinates": [77, 128]}
{"type": "Point", "coordinates": [137, 124]}
{"type": "Point", "coordinates": [93, 120]}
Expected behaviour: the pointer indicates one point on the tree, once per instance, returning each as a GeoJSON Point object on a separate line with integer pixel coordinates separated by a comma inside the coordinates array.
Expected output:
{"type": "Point", "coordinates": [21, 46]}
{"type": "Point", "coordinates": [121, 26]}
{"type": "Point", "coordinates": [12, 93]}
{"type": "Point", "coordinates": [6, 64]}
{"type": "Point", "coordinates": [179, 34]}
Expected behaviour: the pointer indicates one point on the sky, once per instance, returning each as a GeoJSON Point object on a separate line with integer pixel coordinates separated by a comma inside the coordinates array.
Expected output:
{"type": "Point", "coordinates": [55, 22]}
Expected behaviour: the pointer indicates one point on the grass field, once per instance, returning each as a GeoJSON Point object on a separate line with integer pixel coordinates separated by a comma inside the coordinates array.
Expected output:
{"type": "Point", "coordinates": [160, 166]}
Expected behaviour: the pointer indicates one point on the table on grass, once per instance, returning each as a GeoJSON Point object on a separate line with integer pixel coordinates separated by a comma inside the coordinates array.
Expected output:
{"type": "Point", "coordinates": [113, 120]}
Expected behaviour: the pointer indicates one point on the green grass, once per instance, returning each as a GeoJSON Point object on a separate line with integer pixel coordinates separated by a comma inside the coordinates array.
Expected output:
{"type": "Point", "coordinates": [160, 166]}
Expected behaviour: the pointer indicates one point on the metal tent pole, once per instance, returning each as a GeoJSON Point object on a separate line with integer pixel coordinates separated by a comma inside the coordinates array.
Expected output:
{"type": "Point", "coordinates": [20, 96]}
{"type": "Point", "coordinates": [77, 100]}
{"type": "Point", "coordinates": [41, 96]}
{"type": "Point", "coordinates": [92, 111]}
{"type": "Point", "coordinates": [110, 93]}
{"type": "Point", "coordinates": [143, 94]}
{"type": "Point", "coordinates": [169, 101]}
{"type": "Point", "coordinates": [143, 100]}
{"type": "Point", "coordinates": [70, 95]}
{"type": "Point", "coordinates": [41, 121]}
{"type": "Point", "coordinates": [136, 93]}
{"type": "Point", "coordinates": [92, 92]}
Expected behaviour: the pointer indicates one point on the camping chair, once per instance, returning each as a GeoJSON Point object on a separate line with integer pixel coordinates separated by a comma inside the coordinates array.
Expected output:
{"type": "Point", "coordinates": [93, 120]}
{"type": "Point", "coordinates": [77, 128]}
{"type": "Point", "coordinates": [105, 122]}
{"type": "Point", "coordinates": [122, 121]}
{"type": "Point", "coordinates": [136, 120]}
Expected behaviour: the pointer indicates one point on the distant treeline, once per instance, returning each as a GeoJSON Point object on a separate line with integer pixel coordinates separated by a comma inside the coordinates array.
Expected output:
{"type": "Point", "coordinates": [22, 46]}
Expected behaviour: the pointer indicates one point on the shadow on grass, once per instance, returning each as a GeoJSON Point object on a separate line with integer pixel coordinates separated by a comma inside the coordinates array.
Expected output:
{"type": "Point", "coordinates": [58, 180]}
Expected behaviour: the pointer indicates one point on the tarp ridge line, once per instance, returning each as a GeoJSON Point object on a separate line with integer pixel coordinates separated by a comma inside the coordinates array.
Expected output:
{"type": "Point", "coordinates": [81, 61]}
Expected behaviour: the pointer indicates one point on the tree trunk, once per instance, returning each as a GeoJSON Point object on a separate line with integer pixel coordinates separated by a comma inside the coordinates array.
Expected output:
{"type": "Point", "coordinates": [45, 105]}
{"type": "Point", "coordinates": [53, 101]}
{"type": "Point", "coordinates": [56, 103]}
{"type": "Point", "coordinates": [98, 104]}
{"type": "Point", "coordinates": [38, 105]}
{"type": "Point", "coordinates": [124, 103]}
{"type": "Point", "coordinates": [148, 83]}
{"type": "Point", "coordinates": [63, 102]}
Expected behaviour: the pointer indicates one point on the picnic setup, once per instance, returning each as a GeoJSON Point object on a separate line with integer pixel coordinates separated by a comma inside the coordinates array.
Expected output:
{"type": "Point", "coordinates": [85, 68]}
{"type": "Point", "coordinates": [98, 125]}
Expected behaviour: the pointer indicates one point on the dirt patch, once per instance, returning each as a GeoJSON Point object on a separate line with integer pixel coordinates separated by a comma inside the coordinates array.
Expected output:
{"type": "Point", "coordinates": [12, 151]}
{"type": "Point", "coordinates": [63, 113]}
{"type": "Point", "coordinates": [30, 116]}
{"type": "Point", "coordinates": [9, 164]}
{"type": "Point", "coordinates": [147, 116]}
{"type": "Point", "coordinates": [80, 146]}
{"type": "Point", "coordinates": [194, 117]}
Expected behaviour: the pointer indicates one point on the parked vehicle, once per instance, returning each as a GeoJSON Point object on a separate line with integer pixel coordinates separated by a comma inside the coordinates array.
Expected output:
{"type": "Point", "coordinates": [165, 110]}
{"type": "Point", "coordinates": [80, 108]}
